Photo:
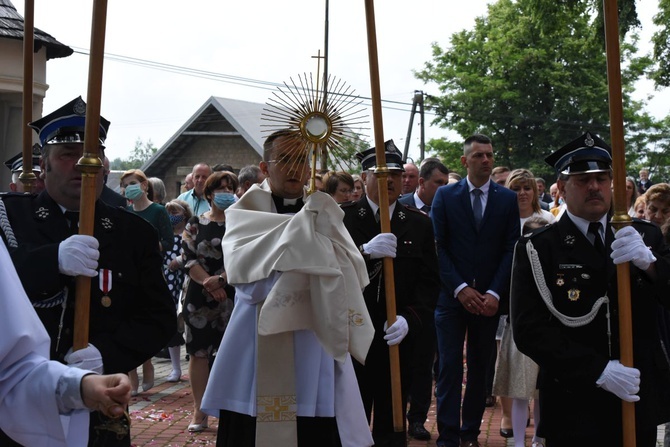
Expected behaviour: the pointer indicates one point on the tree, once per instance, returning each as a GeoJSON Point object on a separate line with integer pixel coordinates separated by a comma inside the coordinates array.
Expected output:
{"type": "Point", "coordinates": [140, 155]}
{"type": "Point", "coordinates": [532, 84]}
{"type": "Point", "coordinates": [661, 41]}
{"type": "Point", "coordinates": [449, 152]}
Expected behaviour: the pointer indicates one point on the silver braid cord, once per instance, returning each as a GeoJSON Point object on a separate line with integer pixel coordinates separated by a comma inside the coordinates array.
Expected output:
{"type": "Point", "coordinates": [6, 227]}
{"type": "Point", "coordinates": [538, 274]}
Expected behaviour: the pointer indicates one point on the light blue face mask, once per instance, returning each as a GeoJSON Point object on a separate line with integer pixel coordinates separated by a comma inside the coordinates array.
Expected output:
{"type": "Point", "coordinates": [223, 200]}
{"type": "Point", "coordinates": [133, 191]}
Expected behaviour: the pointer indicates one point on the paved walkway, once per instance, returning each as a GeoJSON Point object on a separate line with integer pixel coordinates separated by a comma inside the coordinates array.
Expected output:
{"type": "Point", "coordinates": [160, 416]}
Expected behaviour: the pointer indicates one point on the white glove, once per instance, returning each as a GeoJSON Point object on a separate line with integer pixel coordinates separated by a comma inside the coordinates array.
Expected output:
{"type": "Point", "coordinates": [621, 381]}
{"type": "Point", "coordinates": [381, 246]}
{"type": "Point", "coordinates": [78, 255]}
{"type": "Point", "coordinates": [629, 246]}
{"type": "Point", "coordinates": [88, 358]}
{"type": "Point", "coordinates": [397, 331]}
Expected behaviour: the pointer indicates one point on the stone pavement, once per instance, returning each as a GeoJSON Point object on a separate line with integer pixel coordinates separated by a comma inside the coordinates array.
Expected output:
{"type": "Point", "coordinates": [160, 417]}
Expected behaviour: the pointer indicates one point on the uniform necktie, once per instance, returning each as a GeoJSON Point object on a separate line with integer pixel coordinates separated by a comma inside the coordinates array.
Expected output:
{"type": "Point", "coordinates": [594, 229]}
{"type": "Point", "coordinates": [73, 221]}
{"type": "Point", "coordinates": [426, 209]}
{"type": "Point", "coordinates": [477, 206]}
{"type": "Point", "coordinates": [377, 215]}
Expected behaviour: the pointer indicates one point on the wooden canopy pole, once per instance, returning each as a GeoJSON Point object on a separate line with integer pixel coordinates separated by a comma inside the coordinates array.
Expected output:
{"type": "Point", "coordinates": [27, 176]}
{"type": "Point", "coordinates": [621, 217]}
{"type": "Point", "coordinates": [90, 165]}
{"type": "Point", "coordinates": [382, 174]}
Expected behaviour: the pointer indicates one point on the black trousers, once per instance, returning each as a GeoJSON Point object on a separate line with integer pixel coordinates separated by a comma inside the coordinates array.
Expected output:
{"type": "Point", "coordinates": [239, 430]}
{"type": "Point", "coordinates": [102, 432]}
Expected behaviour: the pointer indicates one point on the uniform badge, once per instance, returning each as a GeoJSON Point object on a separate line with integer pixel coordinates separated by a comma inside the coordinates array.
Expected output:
{"type": "Point", "coordinates": [569, 240]}
{"type": "Point", "coordinates": [42, 213]}
{"type": "Point", "coordinates": [401, 215]}
{"type": "Point", "coordinates": [586, 276]}
{"type": "Point", "coordinates": [560, 281]}
{"type": "Point", "coordinates": [106, 223]}
{"type": "Point", "coordinates": [362, 212]}
{"type": "Point", "coordinates": [105, 277]}
{"type": "Point", "coordinates": [573, 294]}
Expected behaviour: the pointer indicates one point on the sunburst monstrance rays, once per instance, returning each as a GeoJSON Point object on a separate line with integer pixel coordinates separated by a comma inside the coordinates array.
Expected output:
{"type": "Point", "coordinates": [323, 121]}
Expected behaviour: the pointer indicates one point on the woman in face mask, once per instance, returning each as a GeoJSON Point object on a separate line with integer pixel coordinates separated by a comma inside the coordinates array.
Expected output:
{"type": "Point", "coordinates": [137, 189]}
{"type": "Point", "coordinates": [209, 298]}
{"type": "Point", "coordinates": [173, 269]}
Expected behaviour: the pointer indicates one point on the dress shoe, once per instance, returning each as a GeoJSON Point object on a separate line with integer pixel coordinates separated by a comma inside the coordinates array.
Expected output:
{"type": "Point", "coordinates": [146, 386]}
{"type": "Point", "coordinates": [490, 401]}
{"type": "Point", "coordinates": [417, 431]}
{"type": "Point", "coordinates": [133, 393]}
{"type": "Point", "coordinates": [198, 427]}
{"type": "Point", "coordinates": [506, 432]}
{"type": "Point", "coordinates": [474, 443]}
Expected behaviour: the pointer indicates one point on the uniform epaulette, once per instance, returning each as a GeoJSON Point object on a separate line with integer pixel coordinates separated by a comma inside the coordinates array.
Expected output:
{"type": "Point", "coordinates": [537, 231]}
{"type": "Point", "coordinates": [416, 210]}
{"type": "Point", "coordinates": [11, 195]}
{"type": "Point", "coordinates": [347, 204]}
{"type": "Point", "coordinates": [643, 222]}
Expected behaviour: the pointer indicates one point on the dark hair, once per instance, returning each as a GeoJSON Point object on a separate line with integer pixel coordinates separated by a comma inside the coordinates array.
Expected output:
{"type": "Point", "coordinates": [216, 180]}
{"type": "Point", "coordinates": [476, 138]}
{"type": "Point", "coordinates": [333, 180]}
{"type": "Point", "coordinates": [429, 165]}
{"type": "Point", "coordinates": [222, 167]}
{"type": "Point", "coordinates": [268, 145]}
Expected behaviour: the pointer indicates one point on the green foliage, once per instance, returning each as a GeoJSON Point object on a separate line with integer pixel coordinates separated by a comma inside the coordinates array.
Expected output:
{"type": "Point", "coordinates": [343, 156]}
{"type": "Point", "coordinates": [449, 152]}
{"type": "Point", "coordinates": [140, 155]}
{"type": "Point", "coordinates": [532, 76]}
{"type": "Point", "coordinates": [661, 41]}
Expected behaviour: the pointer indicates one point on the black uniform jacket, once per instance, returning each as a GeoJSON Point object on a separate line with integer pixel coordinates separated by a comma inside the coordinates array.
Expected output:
{"type": "Point", "coordinates": [414, 267]}
{"type": "Point", "coordinates": [136, 320]}
{"type": "Point", "coordinates": [572, 359]}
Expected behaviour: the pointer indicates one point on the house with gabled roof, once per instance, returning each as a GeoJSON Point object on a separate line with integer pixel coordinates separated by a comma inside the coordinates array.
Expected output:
{"type": "Point", "coordinates": [222, 130]}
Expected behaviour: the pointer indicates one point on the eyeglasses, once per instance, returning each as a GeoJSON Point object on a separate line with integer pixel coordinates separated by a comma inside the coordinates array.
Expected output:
{"type": "Point", "coordinates": [345, 191]}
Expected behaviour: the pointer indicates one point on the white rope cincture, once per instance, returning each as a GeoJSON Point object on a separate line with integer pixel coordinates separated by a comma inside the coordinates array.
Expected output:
{"type": "Point", "coordinates": [6, 227]}
{"type": "Point", "coordinates": [566, 320]}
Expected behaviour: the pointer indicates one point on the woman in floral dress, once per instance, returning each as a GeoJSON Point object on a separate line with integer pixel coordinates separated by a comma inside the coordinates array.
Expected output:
{"type": "Point", "coordinates": [209, 297]}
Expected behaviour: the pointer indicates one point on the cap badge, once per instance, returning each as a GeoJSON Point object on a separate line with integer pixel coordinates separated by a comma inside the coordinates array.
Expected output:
{"type": "Point", "coordinates": [589, 140]}
{"type": "Point", "coordinates": [79, 107]}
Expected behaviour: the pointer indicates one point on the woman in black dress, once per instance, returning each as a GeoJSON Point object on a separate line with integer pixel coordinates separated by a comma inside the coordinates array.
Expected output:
{"type": "Point", "coordinates": [209, 297]}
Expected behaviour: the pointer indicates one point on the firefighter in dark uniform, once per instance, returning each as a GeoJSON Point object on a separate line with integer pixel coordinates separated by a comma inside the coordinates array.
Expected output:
{"type": "Point", "coordinates": [132, 314]}
{"type": "Point", "coordinates": [412, 244]}
{"type": "Point", "coordinates": [565, 313]}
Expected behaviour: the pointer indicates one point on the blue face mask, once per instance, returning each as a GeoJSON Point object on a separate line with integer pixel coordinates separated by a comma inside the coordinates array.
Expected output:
{"type": "Point", "coordinates": [133, 191]}
{"type": "Point", "coordinates": [223, 200]}
{"type": "Point", "coordinates": [176, 219]}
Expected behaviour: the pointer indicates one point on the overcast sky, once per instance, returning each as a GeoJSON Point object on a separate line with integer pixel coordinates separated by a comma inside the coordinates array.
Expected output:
{"type": "Point", "coordinates": [262, 40]}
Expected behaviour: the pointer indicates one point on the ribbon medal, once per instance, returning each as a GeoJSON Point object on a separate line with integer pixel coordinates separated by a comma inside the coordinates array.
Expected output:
{"type": "Point", "coordinates": [105, 276]}
{"type": "Point", "coordinates": [573, 294]}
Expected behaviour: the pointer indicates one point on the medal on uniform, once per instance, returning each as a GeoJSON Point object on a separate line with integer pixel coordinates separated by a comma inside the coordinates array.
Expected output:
{"type": "Point", "coordinates": [573, 294]}
{"type": "Point", "coordinates": [105, 276]}
{"type": "Point", "coordinates": [560, 281]}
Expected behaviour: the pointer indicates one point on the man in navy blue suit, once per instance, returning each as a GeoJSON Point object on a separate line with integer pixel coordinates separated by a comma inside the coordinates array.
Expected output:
{"type": "Point", "coordinates": [476, 226]}
{"type": "Point", "coordinates": [432, 175]}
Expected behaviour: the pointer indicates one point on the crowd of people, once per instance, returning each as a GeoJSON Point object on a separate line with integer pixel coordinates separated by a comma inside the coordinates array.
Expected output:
{"type": "Point", "coordinates": [503, 290]}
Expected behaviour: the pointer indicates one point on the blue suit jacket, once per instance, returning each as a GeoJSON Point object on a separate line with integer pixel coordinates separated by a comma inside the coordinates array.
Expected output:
{"type": "Point", "coordinates": [407, 199]}
{"type": "Point", "coordinates": [480, 258]}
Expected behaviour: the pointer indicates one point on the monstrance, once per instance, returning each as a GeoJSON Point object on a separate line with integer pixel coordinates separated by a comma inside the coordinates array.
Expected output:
{"type": "Point", "coordinates": [322, 120]}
